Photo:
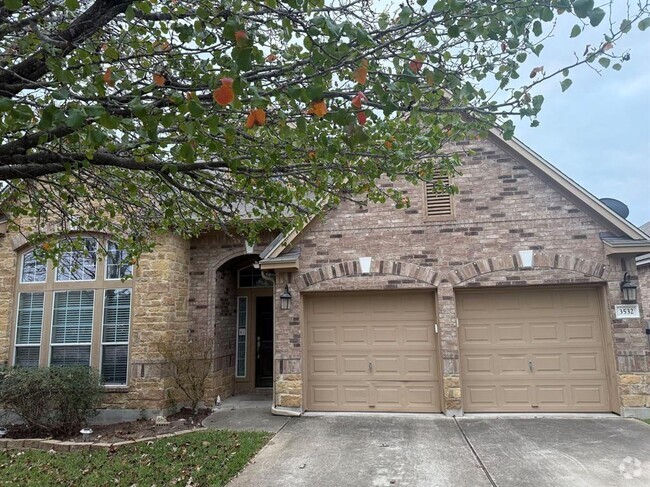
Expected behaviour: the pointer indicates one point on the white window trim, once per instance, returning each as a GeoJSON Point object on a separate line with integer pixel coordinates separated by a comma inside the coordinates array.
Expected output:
{"type": "Point", "coordinates": [22, 268]}
{"type": "Point", "coordinates": [92, 329]}
{"type": "Point", "coordinates": [245, 344]}
{"type": "Point", "coordinates": [127, 343]}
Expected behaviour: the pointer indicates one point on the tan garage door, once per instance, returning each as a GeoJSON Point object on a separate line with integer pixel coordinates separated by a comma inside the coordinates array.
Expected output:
{"type": "Point", "coordinates": [372, 352]}
{"type": "Point", "coordinates": [532, 350]}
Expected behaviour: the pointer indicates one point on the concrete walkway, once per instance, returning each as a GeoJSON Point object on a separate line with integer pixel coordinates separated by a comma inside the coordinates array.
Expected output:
{"type": "Point", "coordinates": [376, 450]}
{"type": "Point", "coordinates": [251, 412]}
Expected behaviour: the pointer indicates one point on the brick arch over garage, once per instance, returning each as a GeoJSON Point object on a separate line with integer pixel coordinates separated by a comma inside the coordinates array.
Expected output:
{"type": "Point", "coordinates": [593, 270]}
{"type": "Point", "coordinates": [378, 267]}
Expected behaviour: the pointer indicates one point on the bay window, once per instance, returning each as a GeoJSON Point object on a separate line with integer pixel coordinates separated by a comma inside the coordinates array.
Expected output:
{"type": "Point", "coordinates": [77, 313]}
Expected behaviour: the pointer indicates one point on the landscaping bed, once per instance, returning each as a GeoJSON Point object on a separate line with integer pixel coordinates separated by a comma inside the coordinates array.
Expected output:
{"type": "Point", "coordinates": [125, 431]}
{"type": "Point", "coordinates": [203, 458]}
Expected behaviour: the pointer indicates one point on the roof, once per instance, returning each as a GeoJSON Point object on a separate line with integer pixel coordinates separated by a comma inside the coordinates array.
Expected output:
{"type": "Point", "coordinates": [628, 238]}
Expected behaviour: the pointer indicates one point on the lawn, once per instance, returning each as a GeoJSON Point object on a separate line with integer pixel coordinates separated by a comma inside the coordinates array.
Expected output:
{"type": "Point", "coordinates": [646, 421]}
{"type": "Point", "coordinates": [207, 458]}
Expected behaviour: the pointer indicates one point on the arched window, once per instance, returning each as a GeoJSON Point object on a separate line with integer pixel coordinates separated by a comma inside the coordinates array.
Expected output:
{"type": "Point", "coordinates": [77, 313]}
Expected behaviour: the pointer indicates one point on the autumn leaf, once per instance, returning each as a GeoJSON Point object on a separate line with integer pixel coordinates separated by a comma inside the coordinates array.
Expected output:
{"type": "Point", "coordinates": [311, 154]}
{"type": "Point", "coordinates": [415, 65]}
{"type": "Point", "coordinates": [358, 100]}
{"type": "Point", "coordinates": [241, 37]}
{"type": "Point", "coordinates": [159, 79]}
{"type": "Point", "coordinates": [504, 47]}
{"type": "Point", "coordinates": [270, 58]}
{"type": "Point", "coordinates": [361, 117]}
{"type": "Point", "coordinates": [317, 108]}
{"type": "Point", "coordinates": [608, 46]}
{"type": "Point", "coordinates": [535, 71]}
{"type": "Point", "coordinates": [360, 75]}
{"type": "Point", "coordinates": [256, 117]}
{"type": "Point", "coordinates": [161, 46]}
{"type": "Point", "coordinates": [389, 143]}
{"type": "Point", "coordinates": [224, 95]}
{"type": "Point", "coordinates": [108, 77]}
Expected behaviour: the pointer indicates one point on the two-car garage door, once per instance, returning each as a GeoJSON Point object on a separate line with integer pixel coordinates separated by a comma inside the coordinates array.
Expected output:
{"type": "Point", "coordinates": [372, 352]}
{"type": "Point", "coordinates": [539, 349]}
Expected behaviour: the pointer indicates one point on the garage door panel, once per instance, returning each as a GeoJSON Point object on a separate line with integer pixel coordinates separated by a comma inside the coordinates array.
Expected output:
{"type": "Point", "coordinates": [547, 342]}
{"type": "Point", "coordinates": [377, 352]}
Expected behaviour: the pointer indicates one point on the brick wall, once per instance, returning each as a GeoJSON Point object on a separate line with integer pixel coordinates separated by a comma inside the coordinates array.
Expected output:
{"type": "Point", "coordinates": [503, 207]}
{"type": "Point", "coordinates": [8, 262]}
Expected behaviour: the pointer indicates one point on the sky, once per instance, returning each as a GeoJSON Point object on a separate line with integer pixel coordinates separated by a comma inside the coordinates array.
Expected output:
{"type": "Point", "coordinates": [598, 131]}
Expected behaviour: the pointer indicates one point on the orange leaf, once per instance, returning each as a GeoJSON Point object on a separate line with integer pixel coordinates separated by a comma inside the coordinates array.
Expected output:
{"type": "Point", "coordinates": [318, 108]}
{"type": "Point", "coordinates": [256, 117]}
{"type": "Point", "coordinates": [608, 46]}
{"type": "Point", "coordinates": [241, 36]}
{"type": "Point", "coordinates": [108, 77]}
{"type": "Point", "coordinates": [361, 117]}
{"type": "Point", "coordinates": [159, 79]}
{"type": "Point", "coordinates": [311, 154]}
{"type": "Point", "coordinates": [224, 95]}
{"type": "Point", "coordinates": [415, 65]}
{"type": "Point", "coordinates": [360, 75]}
{"type": "Point", "coordinates": [270, 58]}
{"type": "Point", "coordinates": [358, 100]}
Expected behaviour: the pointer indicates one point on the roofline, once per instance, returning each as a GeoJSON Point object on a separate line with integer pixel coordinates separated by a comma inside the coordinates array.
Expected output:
{"type": "Point", "coordinates": [571, 186]}
{"type": "Point", "coordinates": [631, 247]}
{"type": "Point", "coordinates": [643, 260]}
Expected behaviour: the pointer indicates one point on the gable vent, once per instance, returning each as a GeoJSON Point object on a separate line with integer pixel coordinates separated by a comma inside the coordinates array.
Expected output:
{"type": "Point", "coordinates": [438, 204]}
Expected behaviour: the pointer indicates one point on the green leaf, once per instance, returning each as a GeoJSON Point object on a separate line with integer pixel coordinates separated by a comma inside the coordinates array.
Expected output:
{"type": "Point", "coordinates": [575, 32]}
{"type": "Point", "coordinates": [626, 25]}
{"type": "Point", "coordinates": [111, 54]}
{"type": "Point", "coordinates": [616, 67]}
{"type": "Point", "coordinates": [72, 4]}
{"type": "Point", "coordinates": [315, 92]}
{"type": "Point", "coordinates": [76, 118]}
{"type": "Point", "coordinates": [565, 83]}
{"type": "Point", "coordinates": [644, 24]}
{"type": "Point", "coordinates": [582, 8]}
{"type": "Point", "coordinates": [453, 31]}
{"type": "Point", "coordinates": [604, 62]}
{"type": "Point", "coordinates": [13, 4]}
{"type": "Point", "coordinates": [537, 28]}
{"type": "Point", "coordinates": [5, 104]}
{"type": "Point", "coordinates": [596, 16]}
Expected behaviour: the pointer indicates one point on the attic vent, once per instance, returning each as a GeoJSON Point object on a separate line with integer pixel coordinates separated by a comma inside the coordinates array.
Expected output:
{"type": "Point", "coordinates": [438, 203]}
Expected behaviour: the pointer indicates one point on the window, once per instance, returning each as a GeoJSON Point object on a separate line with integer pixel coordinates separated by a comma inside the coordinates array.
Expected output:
{"type": "Point", "coordinates": [28, 329]}
{"type": "Point", "coordinates": [72, 327]}
{"type": "Point", "coordinates": [115, 335]}
{"type": "Point", "coordinates": [437, 200]}
{"type": "Point", "coordinates": [79, 265]}
{"type": "Point", "coordinates": [251, 277]}
{"type": "Point", "coordinates": [117, 266]}
{"type": "Point", "coordinates": [242, 318]}
{"type": "Point", "coordinates": [32, 271]}
{"type": "Point", "coordinates": [78, 313]}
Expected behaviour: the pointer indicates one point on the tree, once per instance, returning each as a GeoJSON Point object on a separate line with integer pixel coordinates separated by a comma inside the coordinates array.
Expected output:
{"type": "Point", "coordinates": [133, 117]}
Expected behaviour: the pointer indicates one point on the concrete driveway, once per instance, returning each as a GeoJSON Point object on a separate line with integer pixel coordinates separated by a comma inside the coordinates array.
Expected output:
{"type": "Point", "coordinates": [368, 450]}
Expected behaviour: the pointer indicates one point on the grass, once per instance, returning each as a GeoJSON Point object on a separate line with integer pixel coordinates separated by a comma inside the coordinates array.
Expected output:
{"type": "Point", "coordinates": [646, 421]}
{"type": "Point", "coordinates": [209, 458]}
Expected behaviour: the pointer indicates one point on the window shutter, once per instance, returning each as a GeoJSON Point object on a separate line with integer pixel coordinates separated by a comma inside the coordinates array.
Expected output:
{"type": "Point", "coordinates": [117, 315]}
{"type": "Point", "coordinates": [115, 361]}
{"type": "Point", "coordinates": [73, 317]}
{"type": "Point", "coordinates": [70, 355]}
{"type": "Point", "coordinates": [27, 356]}
{"type": "Point", "coordinates": [438, 203]}
{"type": "Point", "coordinates": [30, 318]}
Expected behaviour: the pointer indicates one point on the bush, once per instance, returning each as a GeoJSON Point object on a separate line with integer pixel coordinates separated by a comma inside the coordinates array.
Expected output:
{"type": "Point", "coordinates": [54, 400]}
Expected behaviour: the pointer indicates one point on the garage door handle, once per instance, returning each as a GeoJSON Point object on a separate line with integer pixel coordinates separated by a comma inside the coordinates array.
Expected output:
{"type": "Point", "coordinates": [530, 366]}
{"type": "Point", "coordinates": [370, 366]}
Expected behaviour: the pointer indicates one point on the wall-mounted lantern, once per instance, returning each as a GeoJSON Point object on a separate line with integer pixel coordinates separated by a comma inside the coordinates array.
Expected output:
{"type": "Point", "coordinates": [285, 298]}
{"type": "Point", "coordinates": [628, 289]}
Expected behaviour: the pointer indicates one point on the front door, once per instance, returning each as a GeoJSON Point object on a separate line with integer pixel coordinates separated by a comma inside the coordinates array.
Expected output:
{"type": "Point", "coordinates": [264, 341]}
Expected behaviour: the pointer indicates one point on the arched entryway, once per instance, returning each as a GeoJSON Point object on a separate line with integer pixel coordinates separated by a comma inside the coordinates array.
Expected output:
{"type": "Point", "coordinates": [244, 323]}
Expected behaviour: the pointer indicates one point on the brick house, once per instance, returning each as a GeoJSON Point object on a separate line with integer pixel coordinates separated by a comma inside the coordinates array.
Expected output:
{"type": "Point", "coordinates": [498, 299]}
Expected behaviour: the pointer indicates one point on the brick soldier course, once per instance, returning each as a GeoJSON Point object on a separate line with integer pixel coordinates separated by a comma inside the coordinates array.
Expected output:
{"type": "Point", "coordinates": [506, 204]}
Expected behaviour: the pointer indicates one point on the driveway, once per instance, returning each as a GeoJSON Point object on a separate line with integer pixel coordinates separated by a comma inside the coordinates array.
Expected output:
{"type": "Point", "coordinates": [368, 450]}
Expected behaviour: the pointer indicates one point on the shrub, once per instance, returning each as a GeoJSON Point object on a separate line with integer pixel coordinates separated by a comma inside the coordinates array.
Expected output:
{"type": "Point", "coordinates": [54, 400]}
{"type": "Point", "coordinates": [188, 363]}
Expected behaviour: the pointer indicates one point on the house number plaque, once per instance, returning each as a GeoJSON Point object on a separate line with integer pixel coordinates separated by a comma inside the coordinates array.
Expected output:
{"type": "Point", "coordinates": [627, 311]}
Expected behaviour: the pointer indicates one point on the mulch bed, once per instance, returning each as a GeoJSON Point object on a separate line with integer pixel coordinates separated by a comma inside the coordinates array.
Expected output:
{"type": "Point", "coordinates": [125, 431]}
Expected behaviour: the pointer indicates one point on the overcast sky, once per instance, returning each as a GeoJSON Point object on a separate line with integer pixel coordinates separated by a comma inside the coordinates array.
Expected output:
{"type": "Point", "coordinates": [598, 131]}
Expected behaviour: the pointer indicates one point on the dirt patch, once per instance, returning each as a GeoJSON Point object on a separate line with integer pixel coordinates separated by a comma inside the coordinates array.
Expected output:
{"type": "Point", "coordinates": [125, 431]}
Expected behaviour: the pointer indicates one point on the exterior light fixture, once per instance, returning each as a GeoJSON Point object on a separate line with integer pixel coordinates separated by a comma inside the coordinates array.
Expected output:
{"type": "Point", "coordinates": [285, 298]}
{"type": "Point", "coordinates": [85, 433]}
{"type": "Point", "coordinates": [628, 289]}
{"type": "Point", "coordinates": [3, 432]}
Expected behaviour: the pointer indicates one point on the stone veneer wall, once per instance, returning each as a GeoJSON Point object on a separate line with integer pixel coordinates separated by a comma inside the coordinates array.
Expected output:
{"type": "Point", "coordinates": [503, 207]}
{"type": "Point", "coordinates": [8, 262]}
